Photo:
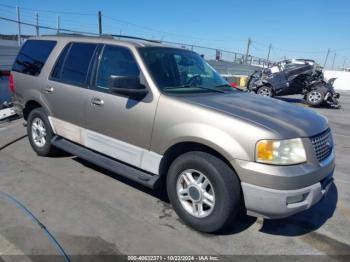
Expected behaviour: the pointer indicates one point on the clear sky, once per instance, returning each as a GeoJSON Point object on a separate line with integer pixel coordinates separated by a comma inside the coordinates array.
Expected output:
{"type": "Point", "coordinates": [298, 28]}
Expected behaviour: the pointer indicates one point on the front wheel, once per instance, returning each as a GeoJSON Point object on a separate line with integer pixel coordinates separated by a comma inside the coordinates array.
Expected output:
{"type": "Point", "coordinates": [265, 91]}
{"type": "Point", "coordinates": [204, 191]}
{"type": "Point", "coordinates": [315, 97]}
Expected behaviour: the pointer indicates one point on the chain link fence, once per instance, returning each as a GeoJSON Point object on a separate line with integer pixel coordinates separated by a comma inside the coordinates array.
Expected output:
{"type": "Point", "coordinates": [210, 53]}
{"type": "Point", "coordinates": [8, 48]}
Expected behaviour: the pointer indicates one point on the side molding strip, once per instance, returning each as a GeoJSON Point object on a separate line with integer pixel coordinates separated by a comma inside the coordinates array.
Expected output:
{"type": "Point", "coordinates": [114, 148]}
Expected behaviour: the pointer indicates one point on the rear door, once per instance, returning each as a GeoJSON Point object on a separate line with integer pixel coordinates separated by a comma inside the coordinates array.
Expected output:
{"type": "Point", "coordinates": [28, 69]}
{"type": "Point", "coordinates": [67, 89]}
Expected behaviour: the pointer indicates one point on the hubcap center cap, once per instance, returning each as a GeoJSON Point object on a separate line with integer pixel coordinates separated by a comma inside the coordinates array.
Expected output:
{"type": "Point", "coordinates": [194, 193]}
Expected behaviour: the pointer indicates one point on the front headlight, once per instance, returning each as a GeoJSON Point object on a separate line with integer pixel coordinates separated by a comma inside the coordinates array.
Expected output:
{"type": "Point", "coordinates": [280, 152]}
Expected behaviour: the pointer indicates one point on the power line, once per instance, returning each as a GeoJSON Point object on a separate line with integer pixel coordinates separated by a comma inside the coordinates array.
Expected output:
{"type": "Point", "coordinates": [50, 11]}
{"type": "Point", "coordinates": [47, 27]}
{"type": "Point", "coordinates": [166, 32]}
{"type": "Point", "coordinates": [261, 44]}
{"type": "Point", "coordinates": [300, 51]}
{"type": "Point", "coordinates": [34, 11]}
{"type": "Point", "coordinates": [257, 48]}
{"type": "Point", "coordinates": [341, 49]}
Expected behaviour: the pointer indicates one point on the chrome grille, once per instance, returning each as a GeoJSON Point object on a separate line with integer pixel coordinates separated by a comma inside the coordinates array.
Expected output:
{"type": "Point", "coordinates": [323, 144]}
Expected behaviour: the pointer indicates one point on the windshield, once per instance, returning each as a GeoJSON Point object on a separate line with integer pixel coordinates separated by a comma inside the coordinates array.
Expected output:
{"type": "Point", "coordinates": [177, 70]}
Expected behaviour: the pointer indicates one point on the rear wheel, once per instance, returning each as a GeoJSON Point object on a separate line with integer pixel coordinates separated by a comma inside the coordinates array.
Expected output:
{"type": "Point", "coordinates": [265, 91]}
{"type": "Point", "coordinates": [40, 133]}
{"type": "Point", "coordinates": [315, 97]}
{"type": "Point", "coordinates": [204, 191]}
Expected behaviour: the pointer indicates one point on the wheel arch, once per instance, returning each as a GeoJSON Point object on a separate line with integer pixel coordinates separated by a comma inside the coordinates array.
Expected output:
{"type": "Point", "coordinates": [267, 84]}
{"type": "Point", "coordinates": [29, 106]}
{"type": "Point", "coordinates": [180, 148]}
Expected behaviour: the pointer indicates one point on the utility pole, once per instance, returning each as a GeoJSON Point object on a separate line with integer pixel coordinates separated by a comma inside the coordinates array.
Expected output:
{"type": "Point", "coordinates": [344, 65]}
{"type": "Point", "coordinates": [58, 25]}
{"type": "Point", "coordinates": [37, 24]}
{"type": "Point", "coordinates": [325, 61]}
{"type": "Point", "coordinates": [248, 46]}
{"type": "Point", "coordinates": [333, 60]}
{"type": "Point", "coordinates": [268, 54]}
{"type": "Point", "coordinates": [19, 26]}
{"type": "Point", "coordinates": [99, 23]}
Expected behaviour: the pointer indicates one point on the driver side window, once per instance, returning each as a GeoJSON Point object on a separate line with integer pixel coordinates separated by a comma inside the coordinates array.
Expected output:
{"type": "Point", "coordinates": [117, 61]}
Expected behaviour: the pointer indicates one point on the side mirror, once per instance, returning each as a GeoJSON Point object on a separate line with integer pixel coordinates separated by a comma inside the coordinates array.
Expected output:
{"type": "Point", "coordinates": [127, 85]}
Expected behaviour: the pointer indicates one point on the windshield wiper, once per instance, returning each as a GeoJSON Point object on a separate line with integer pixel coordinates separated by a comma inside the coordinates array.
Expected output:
{"type": "Point", "coordinates": [176, 87]}
{"type": "Point", "coordinates": [226, 85]}
{"type": "Point", "coordinates": [188, 86]}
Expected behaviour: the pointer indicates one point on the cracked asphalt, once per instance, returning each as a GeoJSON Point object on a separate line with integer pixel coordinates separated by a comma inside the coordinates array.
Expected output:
{"type": "Point", "coordinates": [92, 211]}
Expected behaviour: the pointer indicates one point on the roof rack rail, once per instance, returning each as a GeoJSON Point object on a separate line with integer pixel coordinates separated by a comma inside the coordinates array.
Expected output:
{"type": "Point", "coordinates": [134, 37]}
{"type": "Point", "coordinates": [66, 34]}
{"type": "Point", "coordinates": [70, 34]}
{"type": "Point", "coordinates": [111, 36]}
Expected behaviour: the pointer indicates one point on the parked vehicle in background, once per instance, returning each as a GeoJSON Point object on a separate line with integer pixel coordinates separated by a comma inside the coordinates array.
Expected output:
{"type": "Point", "coordinates": [282, 78]}
{"type": "Point", "coordinates": [296, 76]}
{"type": "Point", "coordinates": [163, 117]}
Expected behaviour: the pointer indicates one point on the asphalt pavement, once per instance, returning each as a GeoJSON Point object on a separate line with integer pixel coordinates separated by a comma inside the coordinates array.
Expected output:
{"type": "Point", "coordinates": [92, 211]}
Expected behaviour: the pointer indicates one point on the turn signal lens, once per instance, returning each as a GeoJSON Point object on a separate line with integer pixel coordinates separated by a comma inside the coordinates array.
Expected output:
{"type": "Point", "coordinates": [265, 150]}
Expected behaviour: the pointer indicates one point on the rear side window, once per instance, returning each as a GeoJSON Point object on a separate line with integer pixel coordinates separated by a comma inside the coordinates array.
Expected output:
{"type": "Point", "coordinates": [32, 56]}
{"type": "Point", "coordinates": [76, 63]}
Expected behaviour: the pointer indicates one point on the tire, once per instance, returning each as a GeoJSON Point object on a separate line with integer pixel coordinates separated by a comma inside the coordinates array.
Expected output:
{"type": "Point", "coordinates": [38, 120]}
{"type": "Point", "coordinates": [265, 91]}
{"type": "Point", "coordinates": [315, 97]}
{"type": "Point", "coordinates": [223, 187]}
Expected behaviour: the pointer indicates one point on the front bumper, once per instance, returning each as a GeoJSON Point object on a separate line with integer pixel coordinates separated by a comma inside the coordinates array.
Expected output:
{"type": "Point", "coordinates": [273, 203]}
{"type": "Point", "coordinates": [268, 189]}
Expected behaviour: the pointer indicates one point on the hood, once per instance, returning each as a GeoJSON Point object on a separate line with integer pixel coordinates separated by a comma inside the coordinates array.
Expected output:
{"type": "Point", "coordinates": [282, 118]}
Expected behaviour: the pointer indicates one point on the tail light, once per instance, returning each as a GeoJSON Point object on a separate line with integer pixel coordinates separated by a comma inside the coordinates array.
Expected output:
{"type": "Point", "coordinates": [233, 84]}
{"type": "Point", "coordinates": [12, 87]}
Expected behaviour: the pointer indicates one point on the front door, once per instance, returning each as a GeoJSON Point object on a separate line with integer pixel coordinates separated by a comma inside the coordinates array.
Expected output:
{"type": "Point", "coordinates": [119, 126]}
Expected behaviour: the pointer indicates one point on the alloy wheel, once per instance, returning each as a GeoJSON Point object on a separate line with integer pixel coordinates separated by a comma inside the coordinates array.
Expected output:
{"type": "Point", "coordinates": [265, 91]}
{"type": "Point", "coordinates": [38, 132]}
{"type": "Point", "coordinates": [315, 96]}
{"type": "Point", "coordinates": [195, 193]}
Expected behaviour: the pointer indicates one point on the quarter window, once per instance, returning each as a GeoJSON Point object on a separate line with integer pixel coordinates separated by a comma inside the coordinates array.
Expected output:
{"type": "Point", "coordinates": [116, 61]}
{"type": "Point", "coordinates": [56, 72]}
{"type": "Point", "coordinates": [32, 56]}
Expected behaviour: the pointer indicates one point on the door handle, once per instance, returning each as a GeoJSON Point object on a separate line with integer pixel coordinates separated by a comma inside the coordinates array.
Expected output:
{"type": "Point", "coordinates": [48, 89]}
{"type": "Point", "coordinates": [97, 101]}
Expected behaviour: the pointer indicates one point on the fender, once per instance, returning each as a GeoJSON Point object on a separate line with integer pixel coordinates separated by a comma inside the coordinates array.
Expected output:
{"type": "Point", "coordinates": [207, 135]}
